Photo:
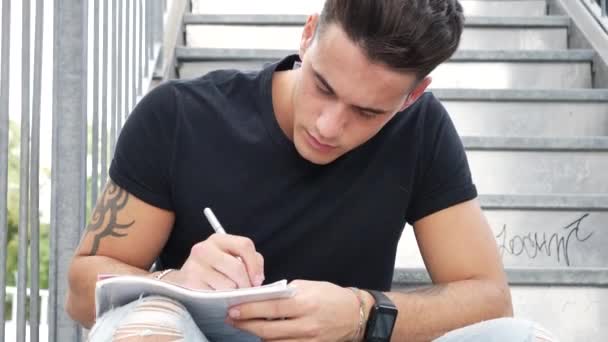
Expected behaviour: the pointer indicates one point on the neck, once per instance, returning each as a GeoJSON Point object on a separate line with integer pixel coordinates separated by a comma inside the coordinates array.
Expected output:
{"type": "Point", "coordinates": [283, 86]}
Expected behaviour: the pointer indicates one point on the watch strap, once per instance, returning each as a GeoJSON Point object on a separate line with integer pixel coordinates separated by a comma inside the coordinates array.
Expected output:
{"type": "Point", "coordinates": [382, 303]}
{"type": "Point", "coordinates": [380, 298]}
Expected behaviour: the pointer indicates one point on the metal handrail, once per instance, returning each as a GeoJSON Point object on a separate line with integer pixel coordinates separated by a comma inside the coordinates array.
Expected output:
{"type": "Point", "coordinates": [11, 291]}
{"type": "Point", "coordinates": [4, 94]}
{"type": "Point", "coordinates": [604, 6]}
{"type": "Point", "coordinates": [599, 10]}
{"type": "Point", "coordinates": [131, 44]}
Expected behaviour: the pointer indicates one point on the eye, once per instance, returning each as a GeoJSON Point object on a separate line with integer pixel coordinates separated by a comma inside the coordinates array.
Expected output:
{"type": "Point", "coordinates": [323, 90]}
{"type": "Point", "coordinates": [366, 115]}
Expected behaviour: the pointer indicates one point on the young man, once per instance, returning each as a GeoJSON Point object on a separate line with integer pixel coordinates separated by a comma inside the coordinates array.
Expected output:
{"type": "Point", "coordinates": [313, 165]}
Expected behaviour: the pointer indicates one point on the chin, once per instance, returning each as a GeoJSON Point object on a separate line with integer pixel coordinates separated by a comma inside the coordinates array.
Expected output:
{"type": "Point", "coordinates": [320, 161]}
{"type": "Point", "coordinates": [313, 156]}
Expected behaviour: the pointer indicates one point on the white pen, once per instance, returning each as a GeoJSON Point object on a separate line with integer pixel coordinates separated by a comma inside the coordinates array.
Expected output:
{"type": "Point", "coordinates": [213, 221]}
{"type": "Point", "coordinates": [217, 226]}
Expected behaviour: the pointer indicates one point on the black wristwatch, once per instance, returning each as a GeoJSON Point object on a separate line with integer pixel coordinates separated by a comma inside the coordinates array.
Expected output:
{"type": "Point", "coordinates": [381, 319]}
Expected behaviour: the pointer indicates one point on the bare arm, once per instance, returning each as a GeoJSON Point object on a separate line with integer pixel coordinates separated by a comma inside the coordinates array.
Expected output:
{"type": "Point", "coordinates": [470, 285]}
{"type": "Point", "coordinates": [461, 256]}
{"type": "Point", "coordinates": [125, 236]}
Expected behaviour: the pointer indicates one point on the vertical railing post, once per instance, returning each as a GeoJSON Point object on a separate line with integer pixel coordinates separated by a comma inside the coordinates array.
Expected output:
{"type": "Point", "coordinates": [34, 177]}
{"type": "Point", "coordinates": [155, 9]}
{"type": "Point", "coordinates": [95, 113]}
{"type": "Point", "coordinates": [4, 82]}
{"type": "Point", "coordinates": [127, 54]}
{"type": "Point", "coordinates": [148, 32]}
{"type": "Point", "coordinates": [141, 55]}
{"type": "Point", "coordinates": [115, 47]}
{"type": "Point", "coordinates": [159, 26]}
{"type": "Point", "coordinates": [68, 202]}
{"type": "Point", "coordinates": [104, 94]}
{"type": "Point", "coordinates": [134, 59]}
{"type": "Point", "coordinates": [24, 168]}
{"type": "Point", "coordinates": [120, 75]}
{"type": "Point", "coordinates": [604, 8]}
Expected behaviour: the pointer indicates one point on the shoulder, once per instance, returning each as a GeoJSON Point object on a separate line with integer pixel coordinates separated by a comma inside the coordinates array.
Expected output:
{"type": "Point", "coordinates": [434, 127]}
{"type": "Point", "coordinates": [172, 98]}
{"type": "Point", "coordinates": [218, 81]}
{"type": "Point", "coordinates": [216, 93]}
{"type": "Point", "coordinates": [428, 112]}
{"type": "Point", "coordinates": [421, 122]}
{"type": "Point", "coordinates": [156, 107]}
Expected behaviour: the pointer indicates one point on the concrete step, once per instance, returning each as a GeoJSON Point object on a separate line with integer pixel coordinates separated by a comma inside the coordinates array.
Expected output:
{"type": "Point", "coordinates": [537, 113]}
{"type": "Point", "coordinates": [551, 202]}
{"type": "Point", "coordinates": [517, 33]}
{"type": "Point", "coordinates": [577, 294]}
{"type": "Point", "coordinates": [471, 7]}
{"type": "Point", "coordinates": [542, 231]}
{"type": "Point", "coordinates": [571, 313]}
{"type": "Point", "coordinates": [516, 8]}
{"type": "Point", "coordinates": [284, 31]}
{"type": "Point", "coordinates": [587, 276]}
{"type": "Point", "coordinates": [535, 144]}
{"type": "Point", "coordinates": [257, 7]}
{"type": "Point", "coordinates": [533, 165]}
{"type": "Point", "coordinates": [557, 69]}
{"type": "Point", "coordinates": [489, 69]}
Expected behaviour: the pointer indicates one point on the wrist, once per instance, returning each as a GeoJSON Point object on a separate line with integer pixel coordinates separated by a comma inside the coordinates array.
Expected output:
{"type": "Point", "coordinates": [364, 303]}
{"type": "Point", "coordinates": [163, 275]}
{"type": "Point", "coordinates": [369, 303]}
{"type": "Point", "coordinates": [381, 318]}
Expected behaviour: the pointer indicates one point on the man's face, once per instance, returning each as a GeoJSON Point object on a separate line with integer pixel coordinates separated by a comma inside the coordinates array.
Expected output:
{"type": "Point", "coordinates": [341, 99]}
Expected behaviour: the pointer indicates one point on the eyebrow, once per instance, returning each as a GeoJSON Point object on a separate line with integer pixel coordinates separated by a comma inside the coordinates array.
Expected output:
{"type": "Point", "coordinates": [326, 84]}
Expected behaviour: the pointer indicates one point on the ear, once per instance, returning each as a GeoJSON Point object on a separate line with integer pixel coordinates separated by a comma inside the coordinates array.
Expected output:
{"type": "Point", "coordinates": [308, 34]}
{"type": "Point", "coordinates": [417, 92]}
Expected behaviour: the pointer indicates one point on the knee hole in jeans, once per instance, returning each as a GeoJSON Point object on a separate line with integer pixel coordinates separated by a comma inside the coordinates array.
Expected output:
{"type": "Point", "coordinates": [154, 319]}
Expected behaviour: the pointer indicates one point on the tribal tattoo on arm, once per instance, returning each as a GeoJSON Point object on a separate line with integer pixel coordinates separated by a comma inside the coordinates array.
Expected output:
{"type": "Point", "coordinates": [104, 221]}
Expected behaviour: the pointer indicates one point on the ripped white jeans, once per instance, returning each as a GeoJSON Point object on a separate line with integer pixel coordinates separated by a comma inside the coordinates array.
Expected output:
{"type": "Point", "coordinates": [148, 316]}
{"type": "Point", "coordinates": [164, 319]}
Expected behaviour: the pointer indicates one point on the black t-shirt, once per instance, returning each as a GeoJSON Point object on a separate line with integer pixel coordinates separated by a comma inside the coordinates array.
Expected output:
{"type": "Point", "coordinates": [214, 142]}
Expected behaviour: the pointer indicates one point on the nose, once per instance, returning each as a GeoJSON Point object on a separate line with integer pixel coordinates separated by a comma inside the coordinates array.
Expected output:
{"type": "Point", "coordinates": [331, 122]}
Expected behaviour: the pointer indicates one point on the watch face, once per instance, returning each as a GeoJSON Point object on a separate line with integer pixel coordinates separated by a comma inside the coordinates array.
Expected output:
{"type": "Point", "coordinates": [385, 320]}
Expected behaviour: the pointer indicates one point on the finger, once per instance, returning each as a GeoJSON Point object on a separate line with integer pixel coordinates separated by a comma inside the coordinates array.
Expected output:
{"type": "Point", "coordinates": [218, 281]}
{"type": "Point", "coordinates": [233, 268]}
{"type": "Point", "coordinates": [245, 249]}
{"type": "Point", "coordinates": [203, 262]}
{"type": "Point", "coordinates": [268, 309]}
{"type": "Point", "coordinates": [260, 262]}
{"type": "Point", "coordinates": [228, 265]}
{"type": "Point", "coordinates": [185, 278]}
{"type": "Point", "coordinates": [268, 330]}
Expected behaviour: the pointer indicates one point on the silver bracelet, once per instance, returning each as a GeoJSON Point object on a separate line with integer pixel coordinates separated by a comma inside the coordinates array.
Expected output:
{"type": "Point", "coordinates": [357, 292]}
{"type": "Point", "coordinates": [163, 273]}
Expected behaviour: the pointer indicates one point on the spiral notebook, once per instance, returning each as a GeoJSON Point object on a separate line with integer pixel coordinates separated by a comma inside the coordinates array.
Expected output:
{"type": "Point", "coordinates": [208, 308]}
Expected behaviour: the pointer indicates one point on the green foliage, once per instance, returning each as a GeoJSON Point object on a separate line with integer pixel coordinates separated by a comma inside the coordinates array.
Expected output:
{"type": "Point", "coordinates": [13, 218]}
{"type": "Point", "coordinates": [13, 221]}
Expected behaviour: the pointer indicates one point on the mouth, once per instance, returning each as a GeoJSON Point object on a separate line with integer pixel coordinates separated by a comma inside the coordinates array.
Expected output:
{"type": "Point", "coordinates": [317, 145]}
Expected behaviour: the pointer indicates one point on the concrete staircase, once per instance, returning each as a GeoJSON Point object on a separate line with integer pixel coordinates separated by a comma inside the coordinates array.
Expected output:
{"type": "Point", "coordinates": [533, 117]}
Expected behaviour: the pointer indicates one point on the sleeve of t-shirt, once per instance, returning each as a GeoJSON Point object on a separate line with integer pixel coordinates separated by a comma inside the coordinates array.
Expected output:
{"type": "Point", "coordinates": [443, 177]}
{"type": "Point", "coordinates": [143, 153]}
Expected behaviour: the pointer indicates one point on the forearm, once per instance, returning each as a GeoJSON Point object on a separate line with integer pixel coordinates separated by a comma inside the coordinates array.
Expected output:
{"type": "Point", "coordinates": [80, 303]}
{"type": "Point", "coordinates": [427, 313]}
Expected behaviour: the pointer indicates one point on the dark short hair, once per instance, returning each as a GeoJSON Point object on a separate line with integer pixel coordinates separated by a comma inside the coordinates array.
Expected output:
{"type": "Point", "coordinates": [406, 35]}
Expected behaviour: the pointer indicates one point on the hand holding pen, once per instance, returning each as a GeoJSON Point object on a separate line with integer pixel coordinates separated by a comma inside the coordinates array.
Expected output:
{"type": "Point", "coordinates": [223, 261]}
